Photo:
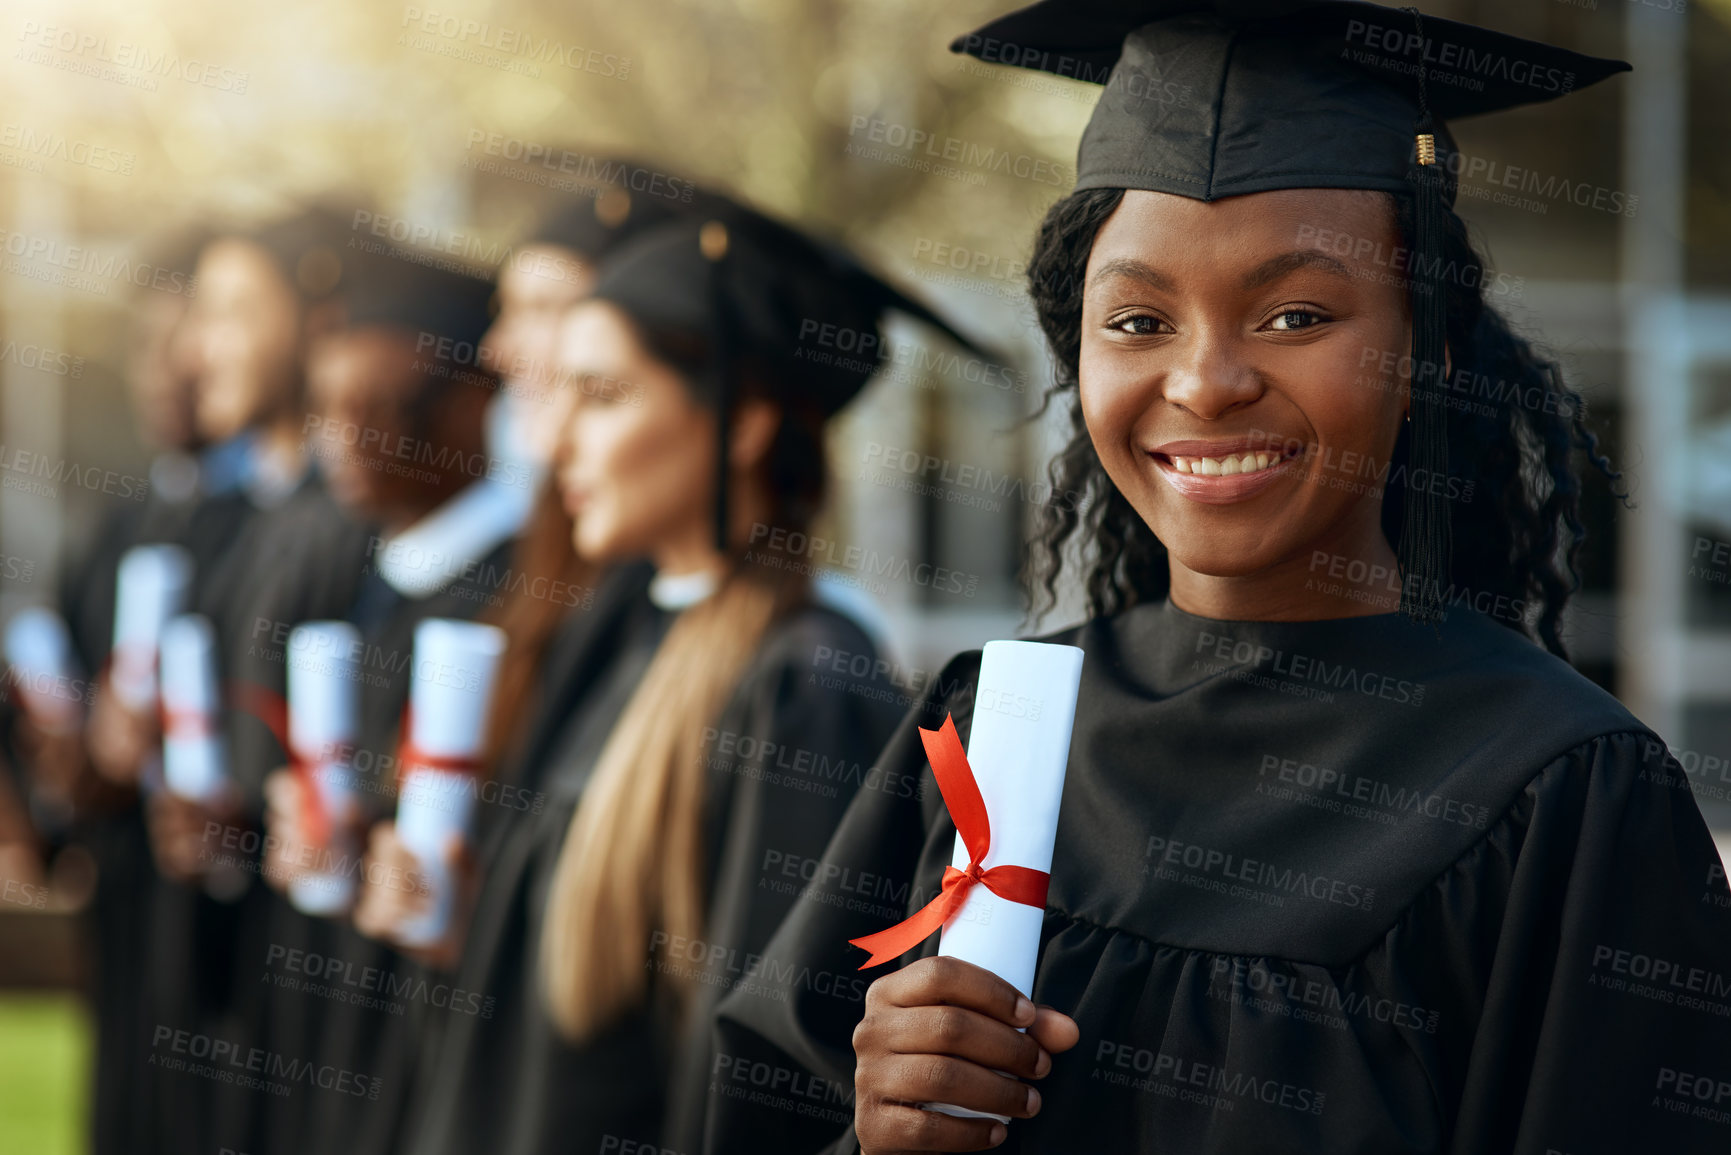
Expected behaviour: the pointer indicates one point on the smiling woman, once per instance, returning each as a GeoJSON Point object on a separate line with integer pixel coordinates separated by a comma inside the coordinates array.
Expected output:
{"type": "Point", "coordinates": [1328, 876]}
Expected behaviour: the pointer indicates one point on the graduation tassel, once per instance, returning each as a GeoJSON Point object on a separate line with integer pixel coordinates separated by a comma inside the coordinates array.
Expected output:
{"type": "Point", "coordinates": [1425, 542]}
{"type": "Point", "coordinates": [712, 240]}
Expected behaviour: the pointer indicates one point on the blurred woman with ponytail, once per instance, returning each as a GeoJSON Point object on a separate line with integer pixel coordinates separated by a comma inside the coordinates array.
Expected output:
{"type": "Point", "coordinates": [713, 737]}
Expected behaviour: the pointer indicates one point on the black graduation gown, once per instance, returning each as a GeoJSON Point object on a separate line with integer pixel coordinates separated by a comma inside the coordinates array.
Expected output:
{"type": "Point", "coordinates": [201, 935]}
{"type": "Point", "coordinates": [125, 1109]}
{"type": "Point", "coordinates": [1319, 886]}
{"type": "Point", "coordinates": [508, 1083]}
{"type": "Point", "coordinates": [365, 1027]}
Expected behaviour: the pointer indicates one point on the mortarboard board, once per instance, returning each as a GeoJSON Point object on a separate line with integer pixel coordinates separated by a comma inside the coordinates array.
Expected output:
{"type": "Point", "coordinates": [1216, 98]}
{"type": "Point", "coordinates": [422, 300]}
{"type": "Point", "coordinates": [310, 248]}
{"type": "Point", "coordinates": [630, 199]}
{"type": "Point", "coordinates": [753, 292]}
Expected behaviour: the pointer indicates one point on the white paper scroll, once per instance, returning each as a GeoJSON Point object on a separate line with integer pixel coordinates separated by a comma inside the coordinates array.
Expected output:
{"type": "Point", "coordinates": [194, 758]}
{"type": "Point", "coordinates": [1019, 747]}
{"type": "Point", "coordinates": [323, 721]}
{"type": "Point", "coordinates": [450, 688]}
{"type": "Point", "coordinates": [45, 669]}
{"type": "Point", "coordinates": [153, 585]}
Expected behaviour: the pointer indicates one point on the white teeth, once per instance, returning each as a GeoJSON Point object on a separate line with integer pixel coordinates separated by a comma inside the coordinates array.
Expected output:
{"type": "Point", "coordinates": [1253, 462]}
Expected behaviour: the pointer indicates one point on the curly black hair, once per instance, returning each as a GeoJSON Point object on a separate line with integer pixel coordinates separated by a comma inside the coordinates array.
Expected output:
{"type": "Point", "coordinates": [1515, 443]}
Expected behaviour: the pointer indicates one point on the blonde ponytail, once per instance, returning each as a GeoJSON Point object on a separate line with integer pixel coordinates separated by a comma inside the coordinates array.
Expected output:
{"type": "Point", "coordinates": [633, 859]}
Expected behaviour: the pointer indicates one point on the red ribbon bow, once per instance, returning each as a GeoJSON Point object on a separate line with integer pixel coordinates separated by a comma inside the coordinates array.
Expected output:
{"type": "Point", "coordinates": [968, 810]}
{"type": "Point", "coordinates": [272, 709]}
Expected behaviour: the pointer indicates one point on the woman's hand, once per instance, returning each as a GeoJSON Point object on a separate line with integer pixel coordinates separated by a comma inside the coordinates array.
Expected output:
{"type": "Point", "coordinates": [941, 1030]}
{"type": "Point", "coordinates": [394, 890]}
{"type": "Point", "coordinates": [288, 849]}
{"type": "Point", "coordinates": [180, 834]}
{"type": "Point", "coordinates": [118, 738]}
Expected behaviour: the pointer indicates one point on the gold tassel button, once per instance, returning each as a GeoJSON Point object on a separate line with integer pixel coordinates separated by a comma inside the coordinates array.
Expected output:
{"type": "Point", "coordinates": [712, 240]}
{"type": "Point", "coordinates": [1426, 148]}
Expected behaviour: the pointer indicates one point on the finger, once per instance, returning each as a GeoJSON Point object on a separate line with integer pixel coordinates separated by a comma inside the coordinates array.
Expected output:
{"type": "Point", "coordinates": [1056, 1032]}
{"type": "Point", "coordinates": [896, 1126]}
{"type": "Point", "coordinates": [941, 1079]}
{"type": "Point", "coordinates": [941, 980]}
{"type": "Point", "coordinates": [964, 1034]}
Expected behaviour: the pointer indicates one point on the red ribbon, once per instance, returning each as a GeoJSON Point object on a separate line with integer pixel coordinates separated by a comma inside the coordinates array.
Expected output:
{"type": "Point", "coordinates": [968, 811]}
{"type": "Point", "coordinates": [412, 757]}
{"type": "Point", "coordinates": [271, 708]}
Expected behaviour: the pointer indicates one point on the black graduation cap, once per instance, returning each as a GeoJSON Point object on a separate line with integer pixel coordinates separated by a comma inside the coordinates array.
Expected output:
{"type": "Point", "coordinates": [1216, 98]}
{"type": "Point", "coordinates": [396, 292]}
{"type": "Point", "coordinates": [632, 198]}
{"type": "Point", "coordinates": [799, 315]}
{"type": "Point", "coordinates": [310, 247]}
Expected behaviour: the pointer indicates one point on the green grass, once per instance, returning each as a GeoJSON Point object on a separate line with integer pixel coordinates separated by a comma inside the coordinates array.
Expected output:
{"type": "Point", "coordinates": [45, 1055]}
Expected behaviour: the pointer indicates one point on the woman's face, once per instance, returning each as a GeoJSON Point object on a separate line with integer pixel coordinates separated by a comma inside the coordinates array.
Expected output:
{"type": "Point", "coordinates": [1241, 377]}
{"type": "Point", "coordinates": [537, 287]}
{"type": "Point", "coordinates": [638, 476]}
{"type": "Point", "coordinates": [248, 324]}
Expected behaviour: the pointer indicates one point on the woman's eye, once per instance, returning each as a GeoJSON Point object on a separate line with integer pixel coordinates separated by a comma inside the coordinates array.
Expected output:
{"type": "Point", "coordinates": [1293, 319]}
{"type": "Point", "coordinates": [1140, 325]}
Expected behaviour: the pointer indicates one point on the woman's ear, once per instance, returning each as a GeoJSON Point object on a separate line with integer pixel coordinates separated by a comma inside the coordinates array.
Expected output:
{"type": "Point", "coordinates": [755, 423]}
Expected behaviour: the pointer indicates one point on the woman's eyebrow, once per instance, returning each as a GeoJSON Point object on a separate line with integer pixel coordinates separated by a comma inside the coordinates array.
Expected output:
{"type": "Point", "coordinates": [1137, 271]}
{"type": "Point", "coordinates": [1277, 267]}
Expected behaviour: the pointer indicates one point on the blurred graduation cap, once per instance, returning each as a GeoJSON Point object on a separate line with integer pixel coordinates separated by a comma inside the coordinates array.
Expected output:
{"type": "Point", "coordinates": [761, 301]}
{"type": "Point", "coordinates": [1216, 98]}
{"type": "Point", "coordinates": [311, 248]}
{"type": "Point", "coordinates": [594, 226]}
{"type": "Point", "coordinates": [444, 310]}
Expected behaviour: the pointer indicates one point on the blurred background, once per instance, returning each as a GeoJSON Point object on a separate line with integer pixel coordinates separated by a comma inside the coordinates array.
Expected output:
{"type": "Point", "coordinates": [462, 123]}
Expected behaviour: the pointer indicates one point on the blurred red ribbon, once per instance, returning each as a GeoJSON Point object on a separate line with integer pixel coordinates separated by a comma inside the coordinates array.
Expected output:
{"type": "Point", "coordinates": [968, 810]}
{"type": "Point", "coordinates": [271, 708]}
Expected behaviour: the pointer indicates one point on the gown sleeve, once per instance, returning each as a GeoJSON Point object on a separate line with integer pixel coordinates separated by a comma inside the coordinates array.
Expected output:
{"type": "Point", "coordinates": [786, 758]}
{"type": "Point", "coordinates": [783, 1056]}
{"type": "Point", "coordinates": [1606, 1020]}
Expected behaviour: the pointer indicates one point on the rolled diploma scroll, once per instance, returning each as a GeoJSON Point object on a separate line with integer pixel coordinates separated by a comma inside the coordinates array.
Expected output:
{"type": "Point", "coordinates": [323, 700]}
{"type": "Point", "coordinates": [450, 687]}
{"type": "Point", "coordinates": [152, 585]}
{"type": "Point", "coordinates": [1019, 748]}
{"type": "Point", "coordinates": [39, 650]}
{"type": "Point", "coordinates": [193, 758]}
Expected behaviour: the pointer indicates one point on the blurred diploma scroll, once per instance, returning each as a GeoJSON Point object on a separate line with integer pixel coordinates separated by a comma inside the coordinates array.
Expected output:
{"type": "Point", "coordinates": [323, 709]}
{"type": "Point", "coordinates": [449, 691]}
{"type": "Point", "coordinates": [39, 650]}
{"type": "Point", "coordinates": [194, 762]}
{"type": "Point", "coordinates": [152, 586]}
{"type": "Point", "coordinates": [1019, 747]}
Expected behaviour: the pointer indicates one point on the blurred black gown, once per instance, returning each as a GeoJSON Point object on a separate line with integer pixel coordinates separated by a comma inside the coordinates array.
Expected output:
{"type": "Point", "coordinates": [1342, 886]}
{"type": "Point", "coordinates": [508, 1083]}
